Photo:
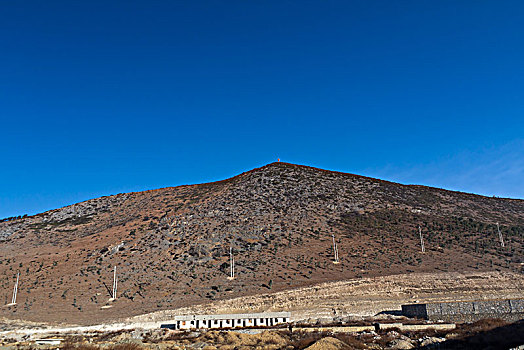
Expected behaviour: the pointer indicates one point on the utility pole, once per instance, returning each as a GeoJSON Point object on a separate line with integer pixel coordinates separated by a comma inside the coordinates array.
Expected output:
{"type": "Point", "coordinates": [15, 290]}
{"type": "Point", "coordinates": [500, 236]}
{"type": "Point", "coordinates": [335, 250]}
{"type": "Point", "coordinates": [115, 284]}
{"type": "Point", "coordinates": [231, 264]}
{"type": "Point", "coordinates": [421, 240]}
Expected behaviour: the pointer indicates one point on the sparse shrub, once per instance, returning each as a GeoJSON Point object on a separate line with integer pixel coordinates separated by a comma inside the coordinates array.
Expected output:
{"type": "Point", "coordinates": [350, 340]}
{"type": "Point", "coordinates": [301, 340]}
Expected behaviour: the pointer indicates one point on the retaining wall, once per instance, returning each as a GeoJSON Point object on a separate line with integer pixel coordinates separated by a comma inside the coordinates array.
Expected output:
{"type": "Point", "coordinates": [467, 311]}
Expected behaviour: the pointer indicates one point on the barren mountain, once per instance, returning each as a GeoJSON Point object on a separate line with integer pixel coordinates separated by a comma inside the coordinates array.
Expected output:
{"type": "Point", "coordinates": [171, 246]}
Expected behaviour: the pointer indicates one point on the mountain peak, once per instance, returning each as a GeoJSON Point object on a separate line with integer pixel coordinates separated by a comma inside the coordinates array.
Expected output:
{"type": "Point", "coordinates": [171, 245]}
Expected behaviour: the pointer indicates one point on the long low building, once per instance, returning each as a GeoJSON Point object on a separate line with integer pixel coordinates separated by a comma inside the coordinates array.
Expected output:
{"type": "Point", "coordinates": [228, 320]}
{"type": "Point", "coordinates": [467, 311]}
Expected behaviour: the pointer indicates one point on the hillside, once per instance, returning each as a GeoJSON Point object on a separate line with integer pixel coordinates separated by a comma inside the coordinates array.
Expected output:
{"type": "Point", "coordinates": [171, 245]}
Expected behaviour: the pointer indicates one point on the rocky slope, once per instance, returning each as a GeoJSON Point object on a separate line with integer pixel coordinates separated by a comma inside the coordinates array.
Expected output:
{"type": "Point", "coordinates": [171, 245]}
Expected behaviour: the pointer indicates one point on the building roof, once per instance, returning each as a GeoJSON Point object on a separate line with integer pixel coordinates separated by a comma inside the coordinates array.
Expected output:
{"type": "Point", "coordinates": [232, 316]}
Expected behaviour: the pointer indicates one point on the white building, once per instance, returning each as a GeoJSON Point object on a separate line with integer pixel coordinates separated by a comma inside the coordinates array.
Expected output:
{"type": "Point", "coordinates": [228, 321]}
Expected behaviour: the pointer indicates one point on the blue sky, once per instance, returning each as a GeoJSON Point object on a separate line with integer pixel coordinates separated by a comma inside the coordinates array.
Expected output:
{"type": "Point", "coordinates": [102, 97]}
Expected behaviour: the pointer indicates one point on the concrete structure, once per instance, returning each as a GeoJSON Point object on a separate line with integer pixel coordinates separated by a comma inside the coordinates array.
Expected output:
{"type": "Point", "coordinates": [423, 327]}
{"type": "Point", "coordinates": [228, 321]}
{"type": "Point", "coordinates": [49, 341]}
{"type": "Point", "coordinates": [467, 311]}
{"type": "Point", "coordinates": [377, 327]}
{"type": "Point", "coordinates": [415, 327]}
{"type": "Point", "coordinates": [337, 329]}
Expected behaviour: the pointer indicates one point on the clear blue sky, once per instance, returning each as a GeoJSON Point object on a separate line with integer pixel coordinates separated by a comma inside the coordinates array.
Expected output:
{"type": "Point", "coordinates": [102, 97]}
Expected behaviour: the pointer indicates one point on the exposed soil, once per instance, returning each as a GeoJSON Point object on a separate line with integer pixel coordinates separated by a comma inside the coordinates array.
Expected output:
{"type": "Point", "coordinates": [363, 297]}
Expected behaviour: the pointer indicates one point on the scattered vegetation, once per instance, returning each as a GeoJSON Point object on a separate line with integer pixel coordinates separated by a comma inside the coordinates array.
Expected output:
{"type": "Point", "coordinates": [171, 245]}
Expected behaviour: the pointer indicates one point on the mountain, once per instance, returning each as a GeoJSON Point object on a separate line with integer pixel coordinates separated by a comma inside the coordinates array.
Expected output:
{"type": "Point", "coordinates": [171, 245]}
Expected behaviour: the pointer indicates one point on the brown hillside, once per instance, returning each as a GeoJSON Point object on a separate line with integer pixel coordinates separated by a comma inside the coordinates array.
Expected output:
{"type": "Point", "coordinates": [171, 245]}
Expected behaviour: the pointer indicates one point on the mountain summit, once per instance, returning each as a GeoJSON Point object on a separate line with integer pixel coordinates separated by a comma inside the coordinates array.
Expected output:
{"type": "Point", "coordinates": [171, 245]}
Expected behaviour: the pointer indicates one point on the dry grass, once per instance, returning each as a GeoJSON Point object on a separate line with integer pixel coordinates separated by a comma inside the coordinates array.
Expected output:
{"type": "Point", "coordinates": [479, 334]}
{"type": "Point", "coordinates": [487, 334]}
{"type": "Point", "coordinates": [301, 340]}
{"type": "Point", "coordinates": [350, 340]}
{"type": "Point", "coordinates": [480, 326]}
{"type": "Point", "coordinates": [176, 335]}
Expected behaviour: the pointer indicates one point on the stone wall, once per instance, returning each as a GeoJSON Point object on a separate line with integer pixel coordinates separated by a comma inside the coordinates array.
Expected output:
{"type": "Point", "coordinates": [467, 311]}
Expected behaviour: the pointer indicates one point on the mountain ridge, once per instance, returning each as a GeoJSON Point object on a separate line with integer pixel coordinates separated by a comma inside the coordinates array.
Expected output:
{"type": "Point", "coordinates": [266, 166]}
{"type": "Point", "coordinates": [171, 245]}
